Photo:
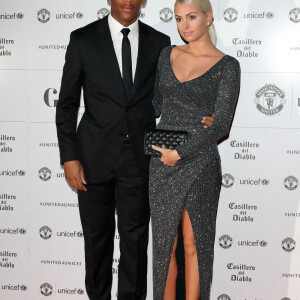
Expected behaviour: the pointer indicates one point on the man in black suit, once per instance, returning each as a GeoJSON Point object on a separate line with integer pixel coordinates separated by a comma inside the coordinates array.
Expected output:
{"type": "Point", "coordinates": [104, 159]}
{"type": "Point", "coordinates": [114, 61]}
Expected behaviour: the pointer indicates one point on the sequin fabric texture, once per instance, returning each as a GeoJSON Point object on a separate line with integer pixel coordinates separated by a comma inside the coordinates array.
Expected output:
{"type": "Point", "coordinates": [194, 183]}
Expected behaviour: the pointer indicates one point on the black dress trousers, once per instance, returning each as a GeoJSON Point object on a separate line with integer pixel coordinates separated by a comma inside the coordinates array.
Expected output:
{"type": "Point", "coordinates": [127, 191]}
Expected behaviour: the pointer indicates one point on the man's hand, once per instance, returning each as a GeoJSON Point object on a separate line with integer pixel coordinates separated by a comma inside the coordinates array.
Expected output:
{"type": "Point", "coordinates": [75, 175]}
{"type": "Point", "coordinates": [208, 121]}
{"type": "Point", "coordinates": [168, 156]}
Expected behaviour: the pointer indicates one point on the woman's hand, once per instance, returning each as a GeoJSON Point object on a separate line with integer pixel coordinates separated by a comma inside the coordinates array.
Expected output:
{"type": "Point", "coordinates": [169, 157]}
{"type": "Point", "coordinates": [208, 121]}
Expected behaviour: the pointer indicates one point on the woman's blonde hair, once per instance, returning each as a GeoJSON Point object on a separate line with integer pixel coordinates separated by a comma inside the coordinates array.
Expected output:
{"type": "Point", "coordinates": [205, 6]}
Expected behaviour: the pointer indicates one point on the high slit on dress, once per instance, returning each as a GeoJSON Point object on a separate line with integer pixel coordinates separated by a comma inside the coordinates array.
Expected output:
{"type": "Point", "coordinates": [194, 183]}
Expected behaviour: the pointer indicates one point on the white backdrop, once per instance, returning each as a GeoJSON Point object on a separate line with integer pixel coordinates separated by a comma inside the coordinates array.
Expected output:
{"type": "Point", "coordinates": [257, 249]}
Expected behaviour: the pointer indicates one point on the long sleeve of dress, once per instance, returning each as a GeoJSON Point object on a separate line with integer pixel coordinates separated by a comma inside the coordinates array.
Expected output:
{"type": "Point", "coordinates": [227, 95]}
{"type": "Point", "coordinates": [157, 96]}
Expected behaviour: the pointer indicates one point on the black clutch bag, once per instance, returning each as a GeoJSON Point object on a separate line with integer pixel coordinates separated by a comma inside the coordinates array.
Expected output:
{"type": "Point", "coordinates": [164, 139]}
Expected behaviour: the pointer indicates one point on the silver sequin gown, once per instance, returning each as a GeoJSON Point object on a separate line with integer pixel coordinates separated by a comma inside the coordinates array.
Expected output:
{"type": "Point", "coordinates": [194, 183]}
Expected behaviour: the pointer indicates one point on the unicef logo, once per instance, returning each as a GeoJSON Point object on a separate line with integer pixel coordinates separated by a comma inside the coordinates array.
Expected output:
{"type": "Point", "coordinates": [166, 14]}
{"type": "Point", "coordinates": [43, 15]}
{"type": "Point", "coordinates": [270, 15]}
{"type": "Point", "coordinates": [79, 15]}
{"type": "Point", "coordinates": [288, 244]}
{"type": "Point", "coordinates": [23, 288]}
{"type": "Point", "coordinates": [80, 291]}
{"type": "Point", "coordinates": [265, 181]}
{"type": "Point", "coordinates": [269, 99]}
{"type": "Point", "coordinates": [263, 243]}
{"type": "Point", "coordinates": [224, 297]}
{"type": "Point", "coordinates": [45, 232]}
{"type": "Point", "coordinates": [225, 241]}
{"type": "Point", "coordinates": [20, 16]}
{"type": "Point", "coordinates": [22, 231]}
{"type": "Point", "coordinates": [46, 289]}
{"type": "Point", "coordinates": [45, 174]}
{"type": "Point", "coordinates": [21, 173]}
{"type": "Point", "coordinates": [227, 180]}
{"type": "Point", "coordinates": [291, 183]}
{"type": "Point", "coordinates": [103, 12]}
{"type": "Point", "coordinates": [79, 234]}
{"type": "Point", "coordinates": [230, 15]}
{"type": "Point", "coordinates": [295, 15]}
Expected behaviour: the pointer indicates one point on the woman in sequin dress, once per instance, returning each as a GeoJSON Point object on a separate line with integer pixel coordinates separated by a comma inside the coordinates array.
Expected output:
{"type": "Point", "coordinates": [193, 80]}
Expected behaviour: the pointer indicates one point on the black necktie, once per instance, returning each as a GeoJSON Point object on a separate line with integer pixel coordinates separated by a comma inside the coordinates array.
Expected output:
{"type": "Point", "coordinates": [126, 63]}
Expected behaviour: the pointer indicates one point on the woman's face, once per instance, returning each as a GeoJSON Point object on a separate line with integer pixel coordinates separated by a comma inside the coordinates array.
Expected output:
{"type": "Point", "coordinates": [192, 22]}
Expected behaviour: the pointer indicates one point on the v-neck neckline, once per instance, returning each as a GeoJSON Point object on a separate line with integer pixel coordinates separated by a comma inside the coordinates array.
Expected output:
{"type": "Point", "coordinates": [182, 82]}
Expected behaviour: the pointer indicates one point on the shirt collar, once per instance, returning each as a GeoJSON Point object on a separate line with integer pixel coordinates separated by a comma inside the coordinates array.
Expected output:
{"type": "Point", "coordinates": [116, 27]}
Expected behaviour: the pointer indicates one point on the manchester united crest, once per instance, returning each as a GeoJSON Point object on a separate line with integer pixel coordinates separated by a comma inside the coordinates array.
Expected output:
{"type": "Point", "coordinates": [45, 232]}
{"type": "Point", "coordinates": [43, 15]}
{"type": "Point", "coordinates": [103, 12]}
{"type": "Point", "coordinates": [288, 244]}
{"type": "Point", "coordinates": [166, 14]}
{"type": "Point", "coordinates": [46, 289]}
{"type": "Point", "coordinates": [45, 174]}
{"type": "Point", "coordinates": [295, 15]}
{"type": "Point", "coordinates": [291, 183]}
{"type": "Point", "coordinates": [227, 180]}
{"type": "Point", "coordinates": [270, 99]}
{"type": "Point", "coordinates": [230, 15]}
{"type": "Point", "coordinates": [225, 241]}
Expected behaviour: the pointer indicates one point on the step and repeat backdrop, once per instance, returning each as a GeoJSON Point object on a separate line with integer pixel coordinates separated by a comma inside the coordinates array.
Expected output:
{"type": "Point", "coordinates": [257, 246]}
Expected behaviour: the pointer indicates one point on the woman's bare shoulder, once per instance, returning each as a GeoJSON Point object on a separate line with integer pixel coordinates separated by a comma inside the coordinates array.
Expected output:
{"type": "Point", "coordinates": [180, 49]}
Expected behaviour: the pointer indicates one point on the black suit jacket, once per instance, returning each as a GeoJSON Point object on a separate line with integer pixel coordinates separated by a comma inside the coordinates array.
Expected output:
{"type": "Point", "coordinates": [91, 64]}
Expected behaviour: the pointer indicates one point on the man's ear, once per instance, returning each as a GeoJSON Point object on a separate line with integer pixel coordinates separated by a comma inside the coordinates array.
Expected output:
{"type": "Point", "coordinates": [144, 2]}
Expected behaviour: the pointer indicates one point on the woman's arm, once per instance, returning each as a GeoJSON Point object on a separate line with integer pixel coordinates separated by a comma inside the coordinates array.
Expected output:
{"type": "Point", "coordinates": [227, 95]}
{"type": "Point", "coordinates": [157, 96]}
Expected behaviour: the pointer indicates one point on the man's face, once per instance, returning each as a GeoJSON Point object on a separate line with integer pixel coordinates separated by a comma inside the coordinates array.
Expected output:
{"type": "Point", "coordinates": [126, 11]}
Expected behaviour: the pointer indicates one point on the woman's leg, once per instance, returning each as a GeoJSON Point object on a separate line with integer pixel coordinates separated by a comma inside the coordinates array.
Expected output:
{"type": "Point", "coordinates": [192, 282]}
{"type": "Point", "coordinates": [170, 289]}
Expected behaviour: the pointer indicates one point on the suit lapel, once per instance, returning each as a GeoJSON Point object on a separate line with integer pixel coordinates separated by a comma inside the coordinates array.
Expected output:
{"type": "Point", "coordinates": [106, 48]}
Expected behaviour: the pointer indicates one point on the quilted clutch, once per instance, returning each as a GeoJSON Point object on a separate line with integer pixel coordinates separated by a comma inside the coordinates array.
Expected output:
{"type": "Point", "coordinates": [164, 139]}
